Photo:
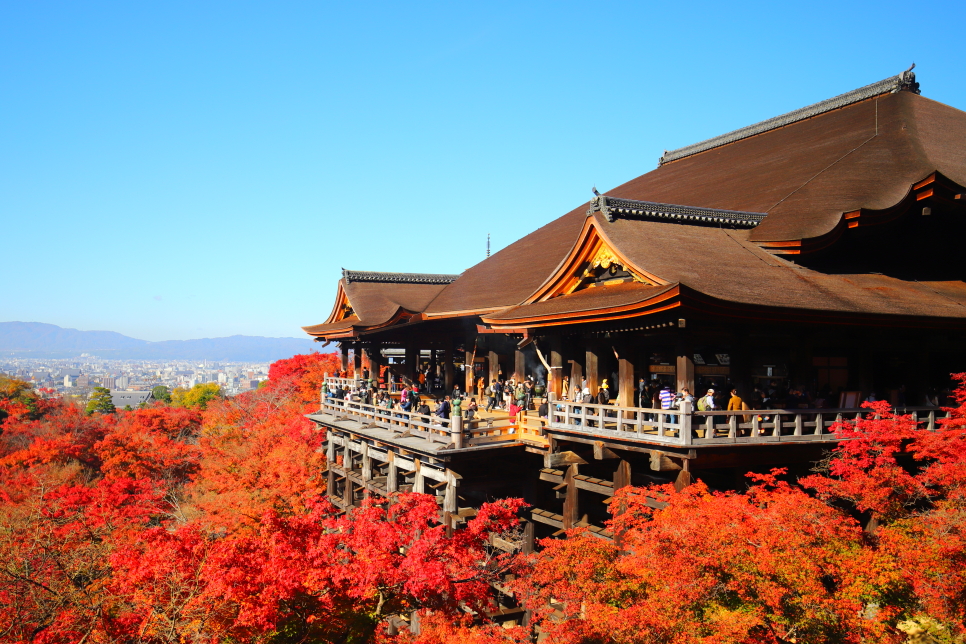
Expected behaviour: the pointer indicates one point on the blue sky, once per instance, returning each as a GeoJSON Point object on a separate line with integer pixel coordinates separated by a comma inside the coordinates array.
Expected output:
{"type": "Point", "coordinates": [180, 170]}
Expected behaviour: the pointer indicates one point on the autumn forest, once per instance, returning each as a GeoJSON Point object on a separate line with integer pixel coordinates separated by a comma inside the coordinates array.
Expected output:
{"type": "Point", "coordinates": [205, 520]}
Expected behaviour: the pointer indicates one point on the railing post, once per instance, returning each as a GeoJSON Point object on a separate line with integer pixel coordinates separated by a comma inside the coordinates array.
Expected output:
{"type": "Point", "coordinates": [733, 426]}
{"type": "Point", "coordinates": [456, 431]}
{"type": "Point", "coordinates": [685, 410]}
{"type": "Point", "coordinates": [819, 424]}
{"type": "Point", "coordinates": [709, 427]}
{"type": "Point", "coordinates": [798, 424]}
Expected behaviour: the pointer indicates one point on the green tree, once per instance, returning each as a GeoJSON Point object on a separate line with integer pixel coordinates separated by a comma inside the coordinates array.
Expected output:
{"type": "Point", "coordinates": [161, 393]}
{"type": "Point", "coordinates": [100, 401]}
{"type": "Point", "coordinates": [197, 397]}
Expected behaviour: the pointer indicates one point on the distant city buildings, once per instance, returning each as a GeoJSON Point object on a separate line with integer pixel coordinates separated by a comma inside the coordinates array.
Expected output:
{"type": "Point", "coordinates": [76, 377]}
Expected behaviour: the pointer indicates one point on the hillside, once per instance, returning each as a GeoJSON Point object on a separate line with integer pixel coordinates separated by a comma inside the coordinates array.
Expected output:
{"type": "Point", "coordinates": [39, 340]}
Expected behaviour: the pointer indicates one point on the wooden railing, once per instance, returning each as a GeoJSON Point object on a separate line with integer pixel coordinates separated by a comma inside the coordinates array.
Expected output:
{"type": "Point", "coordinates": [684, 427]}
{"type": "Point", "coordinates": [345, 383]}
{"type": "Point", "coordinates": [456, 432]}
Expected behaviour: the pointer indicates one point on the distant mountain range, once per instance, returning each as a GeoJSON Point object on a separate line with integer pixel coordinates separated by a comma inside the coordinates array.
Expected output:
{"type": "Point", "coordinates": [38, 340]}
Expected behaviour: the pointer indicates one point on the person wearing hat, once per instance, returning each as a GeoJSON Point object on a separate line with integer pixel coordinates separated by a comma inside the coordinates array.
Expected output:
{"type": "Point", "coordinates": [706, 403]}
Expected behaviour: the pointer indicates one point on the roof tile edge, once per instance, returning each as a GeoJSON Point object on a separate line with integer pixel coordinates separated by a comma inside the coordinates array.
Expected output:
{"type": "Point", "coordinates": [613, 207]}
{"type": "Point", "coordinates": [398, 278]}
{"type": "Point", "coordinates": [906, 81]}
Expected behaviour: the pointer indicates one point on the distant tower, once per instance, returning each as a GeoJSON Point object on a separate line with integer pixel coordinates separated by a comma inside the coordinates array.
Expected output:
{"type": "Point", "coordinates": [487, 244]}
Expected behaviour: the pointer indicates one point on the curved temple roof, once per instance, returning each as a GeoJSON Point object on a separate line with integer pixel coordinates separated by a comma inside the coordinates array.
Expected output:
{"type": "Point", "coordinates": [704, 221]}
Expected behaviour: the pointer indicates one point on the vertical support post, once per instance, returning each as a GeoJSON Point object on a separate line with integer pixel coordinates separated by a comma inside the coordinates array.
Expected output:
{"type": "Point", "coordinates": [391, 484]}
{"type": "Point", "coordinates": [684, 475]}
{"type": "Point", "coordinates": [576, 376]}
{"type": "Point", "coordinates": [494, 366]}
{"type": "Point", "coordinates": [347, 491]}
{"type": "Point", "coordinates": [449, 369]}
{"type": "Point", "coordinates": [419, 481]}
{"type": "Point", "coordinates": [449, 497]}
{"type": "Point", "coordinates": [469, 372]}
{"type": "Point", "coordinates": [685, 420]}
{"type": "Point", "coordinates": [519, 365]}
{"type": "Point", "coordinates": [412, 361]}
{"type": "Point", "coordinates": [357, 360]}
{"type": "Point", "coordinates": [622, 476]}
{"type": "Point", "coordinates": [344, 356]}
{"type": "Point", "coordinates": [570, 504]}
{"type": "Point", "coordinates": [626, 388]}
{"type": "Point", "coordinates": [456, 431]}
{"type": "Point", "coordinates": [528, 537]}
{"type": "Point", "coordinates": [685, 372]}
{"type": "Point", "coordinates": [591, 366]}
{"type": "Point", "coordinates": [375, 361]}
{"type": "Point", "coordinates": [555, 377]}
{"type": "Point", "coordinates": [366, 463]}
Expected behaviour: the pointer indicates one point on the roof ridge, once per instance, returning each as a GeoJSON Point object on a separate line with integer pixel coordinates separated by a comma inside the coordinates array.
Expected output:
{"type": "Point", "coordinates": [906, 81]}
{"type": "Point", "coordinates": [612, 207]}
{"type": "Point", "coordinates": [398, 278]}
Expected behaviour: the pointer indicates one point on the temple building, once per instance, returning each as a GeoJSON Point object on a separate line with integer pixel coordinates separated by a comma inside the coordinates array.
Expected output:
{"type": "Point", "coordinates": [819, 249]}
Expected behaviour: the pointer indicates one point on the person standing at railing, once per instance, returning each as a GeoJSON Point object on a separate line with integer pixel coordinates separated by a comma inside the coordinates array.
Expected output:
{"type": "Point", "coordinates": [405, 399]}
{"type": "Point", "coordinates": [471, 409]}
{"type": "Point", "coordinates": [666, 397]}
{"type": "Point", "coordinates": [706, 402]}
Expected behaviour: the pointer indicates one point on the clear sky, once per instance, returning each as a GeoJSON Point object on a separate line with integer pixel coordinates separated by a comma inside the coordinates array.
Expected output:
{"type": "Point", "coordinates": [175, 170]}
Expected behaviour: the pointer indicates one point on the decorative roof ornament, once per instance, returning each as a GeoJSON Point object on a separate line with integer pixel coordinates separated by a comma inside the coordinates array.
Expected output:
{"type": "Point", "coordinates": [612, 208]}
{"type": "Point", "coordinates": [397, 278]}
{"type": "Point", "coordinates": [904, 82]}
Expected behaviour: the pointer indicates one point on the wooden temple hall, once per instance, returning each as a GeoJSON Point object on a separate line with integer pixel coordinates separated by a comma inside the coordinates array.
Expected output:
{"type": "Point", "coordinates": [819, 251]}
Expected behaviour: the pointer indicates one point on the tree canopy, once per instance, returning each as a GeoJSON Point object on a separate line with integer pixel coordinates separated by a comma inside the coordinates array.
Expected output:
{"type": "Point", "coordinates": [100, 402]}
{"type": "Point", "coordinates": [175, 524]}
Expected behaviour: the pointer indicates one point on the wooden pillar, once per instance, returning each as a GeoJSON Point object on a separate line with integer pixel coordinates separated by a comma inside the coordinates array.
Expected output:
{"type": "Point", "coordinates": [357, 361]}
{"type": "Point", "coordinates": [449, 370]}
{"type": "Point", "coordinates": [391, 479]}
{"type": "Point", "coordinates": [684, 475]}
{"type": "Point", "coordinates": [622, 476]}
{"type": "Point", "coordinates": [494, 366]}
{"type": "Point", "coordinates": [685, 372]}
{"type": "Point", "coordinates": [576, 375]}
{"type": "Point", "coordinates": [419, 481]}
{"type": "Point", "coordinates": [449, 497]}
{"type": "Point", "coordinates": [470, 373]}
{"type": "Point", "coordinates": [519, 365]}
{"type": "Point", "coordinates": [374, 354]}
{"type": "Point", "coordinates": [344, 356]}
{"type": "Point", "coordinates": [570, 505]}
{"type": "Point", "coordinates": [366, 463]}
{"type": "Point", "coordinates": [591, 365]}
{"type": "Point", "coordinates": [555, 377]}
{"type": "Point", "coordinates": [626, 387]}
{"type": "Point", "coordinates": [412, 361]}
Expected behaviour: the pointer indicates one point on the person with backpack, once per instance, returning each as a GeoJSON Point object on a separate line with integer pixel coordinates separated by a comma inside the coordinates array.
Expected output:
{"type": "Point", "coordinates": [706, 402]}
{"type": "Point", "coordinates": [492, 393]}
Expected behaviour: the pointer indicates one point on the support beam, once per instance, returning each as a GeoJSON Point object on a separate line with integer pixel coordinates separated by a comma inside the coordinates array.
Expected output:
{"type": "Point", "coordinates": [391, 477]}
{"type": "Point", "coordinates": [685, 372]}
{"type": "Point", "coordinates": [469, 377]}
{"type": "Point", "coordinates": [494, 366]}
{"type": "Point", "coordinates": [626, 388]}
{"type": "Point", "coordinates": [357, 361]}
{"type": "Point", "coordinates": [555, 377]}
{"type": "Point", "coordinates": [412, 361]}
{"type": "Point", "coordinates": [591, 365]}
{"type": "Point", "coordinates": [576, 376]}
{"type": "Point", "coordinates": [344, 356]}
{"type": "Point", "coordinates": [374, 353]}
{"type": "Point", "coordinates": [449, 370]}
{"type": "Point", "coordinates": [570, 504]}
{"type": "Point", "coordinates": [519, 365]}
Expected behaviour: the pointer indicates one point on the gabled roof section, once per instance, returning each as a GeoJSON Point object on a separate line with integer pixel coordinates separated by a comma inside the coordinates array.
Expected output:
{"type": "Point", "coordinates": [906, 81]}
{"type": "Point", "coordinates": [367, 300]}
{"type": "Point", "coordinates": [397, 278]}
{"type": "Point", "coordinates": [592, 254]}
